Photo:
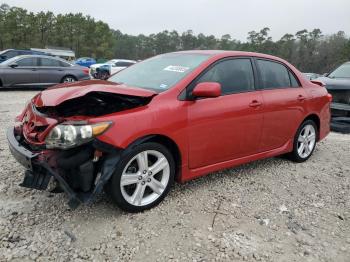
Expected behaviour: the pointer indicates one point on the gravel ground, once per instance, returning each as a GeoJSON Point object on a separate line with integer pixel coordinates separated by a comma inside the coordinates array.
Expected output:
{"type": "Point", "coordinates": [269, 210]}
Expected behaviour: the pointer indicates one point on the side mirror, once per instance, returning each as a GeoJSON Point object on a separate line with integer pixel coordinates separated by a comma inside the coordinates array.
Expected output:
{"type": "Point", "coordinates": [13, 65]}
{"type": "Point", "coordinates": [326, 74]}
{"type": "Point", "coordinates": [207, 89]}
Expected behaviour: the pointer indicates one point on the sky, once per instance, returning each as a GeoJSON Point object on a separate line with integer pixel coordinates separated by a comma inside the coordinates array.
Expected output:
{"type": "Point", "coordinates": [217, 17]}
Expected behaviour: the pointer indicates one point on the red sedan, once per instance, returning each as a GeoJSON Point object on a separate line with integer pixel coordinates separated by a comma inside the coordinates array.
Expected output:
{"type": "Point", "coordinates": [175, 116]}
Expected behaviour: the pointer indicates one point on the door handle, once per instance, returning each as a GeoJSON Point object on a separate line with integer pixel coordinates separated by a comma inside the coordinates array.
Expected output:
{"type": "Point", "coordinates": [33, 69]}
{"type": "Point", "coordinates": [255, 103]}
{"type": "Point", "coordinates": [301, 97]}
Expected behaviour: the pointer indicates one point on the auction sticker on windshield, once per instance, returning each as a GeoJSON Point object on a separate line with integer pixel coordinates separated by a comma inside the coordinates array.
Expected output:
{"type": "Point", "coordinates": [179, 69]}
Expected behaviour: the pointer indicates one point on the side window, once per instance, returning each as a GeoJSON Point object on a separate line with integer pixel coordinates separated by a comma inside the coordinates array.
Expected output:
{"type": "Point", "coordinates": [29, 61]}
{"type": "Point", "coordinates": [273, 75]}
{"type": "Point", "coordinates": [49, 62]}
{"type": "Point", "coordinates": [124, 64]}
{"type": "Point", "coordinates": [234, 75]}
{"type": "Point", "coordinates": [294, 82]}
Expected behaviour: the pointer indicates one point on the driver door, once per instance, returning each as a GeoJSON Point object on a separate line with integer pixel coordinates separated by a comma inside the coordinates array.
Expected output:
{"type": "Point", "coordinates": [25, 72]}
{"type": "Point", "coordinates": [229, 126]}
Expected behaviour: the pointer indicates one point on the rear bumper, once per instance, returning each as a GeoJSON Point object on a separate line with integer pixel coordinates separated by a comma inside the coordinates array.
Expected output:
{"type": "Point", "coordinates": [40, 169]}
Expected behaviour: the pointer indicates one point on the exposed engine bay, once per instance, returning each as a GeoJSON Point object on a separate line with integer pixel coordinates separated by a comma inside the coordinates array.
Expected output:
{"type": "Point", "coordinates": [94, 104]}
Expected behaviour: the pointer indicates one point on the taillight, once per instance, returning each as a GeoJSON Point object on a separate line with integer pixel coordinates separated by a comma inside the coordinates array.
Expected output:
{"type": "Point", "coordinates": [330, 97]}
{"type": "Point", "coordinates": [86, 71]}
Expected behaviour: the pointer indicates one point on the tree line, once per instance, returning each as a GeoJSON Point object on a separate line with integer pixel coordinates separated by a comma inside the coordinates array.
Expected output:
{"type": "Point", "coordinates": [309, 51]}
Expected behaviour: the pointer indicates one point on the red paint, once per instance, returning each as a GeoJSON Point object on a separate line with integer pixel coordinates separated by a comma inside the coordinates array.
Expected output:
{"type": "Point", "coordinates": [211, 133]}
{"type": "Point", "coordinates": [207, 89]}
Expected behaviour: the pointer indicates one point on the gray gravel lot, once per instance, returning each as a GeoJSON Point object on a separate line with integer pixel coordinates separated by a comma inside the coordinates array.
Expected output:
{"type": "Point", "coordinates": [269, 210]}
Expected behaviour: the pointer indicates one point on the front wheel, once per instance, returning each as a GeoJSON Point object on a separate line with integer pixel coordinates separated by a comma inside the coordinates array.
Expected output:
{"type": "Point", "coordinates": [142, 178]}
{"type": "Point", "coordinates": [304, 141]}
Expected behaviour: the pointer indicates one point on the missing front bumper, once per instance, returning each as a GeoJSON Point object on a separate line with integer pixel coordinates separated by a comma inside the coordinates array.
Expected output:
{"type": "Point", "coordinates": [38, 172]}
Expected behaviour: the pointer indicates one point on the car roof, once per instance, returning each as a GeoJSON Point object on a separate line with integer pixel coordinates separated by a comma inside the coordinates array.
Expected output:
{"type": "Point", "coordinates": [123, 60]}
{"type": "Point", "coordinates": [223, 53]}
{"type": "Point", "coordinates": [27, 50]}
{"type": "Point", "coordinates": [42, 56]}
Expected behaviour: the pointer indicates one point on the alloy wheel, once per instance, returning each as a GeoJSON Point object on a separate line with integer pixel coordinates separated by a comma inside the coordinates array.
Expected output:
{"type": "Point", "coordinates": [68, 79]}
{"type": "Point", "coordinates": [145, 178]}
{"type": "Point", "coordinates": [306, 141]}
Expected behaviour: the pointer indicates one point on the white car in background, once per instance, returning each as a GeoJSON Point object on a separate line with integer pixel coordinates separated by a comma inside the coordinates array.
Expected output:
{"type": "Point", "coordinates": [103, 71]}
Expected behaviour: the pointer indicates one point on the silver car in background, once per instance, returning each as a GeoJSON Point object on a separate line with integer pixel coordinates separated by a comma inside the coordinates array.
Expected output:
{"type": "Point", "coordinates": [39, 71]}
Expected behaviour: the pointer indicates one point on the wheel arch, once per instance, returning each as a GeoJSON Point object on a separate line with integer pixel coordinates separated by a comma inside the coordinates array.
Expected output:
{"type": "Point", "coordinates": [314, 117]}
{"type": "Point", "coordinates": [169, 144]}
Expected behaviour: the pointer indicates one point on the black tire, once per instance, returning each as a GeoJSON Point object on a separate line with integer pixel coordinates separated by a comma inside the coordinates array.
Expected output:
{"type": "Point", "coordinates": [65, 78]}
{"type": "Point", "coordinates": [113, 189]}
{"type": "Point", "coordinates": [104, 75]}
{"type": "Point", "coordinates": [294, 155]}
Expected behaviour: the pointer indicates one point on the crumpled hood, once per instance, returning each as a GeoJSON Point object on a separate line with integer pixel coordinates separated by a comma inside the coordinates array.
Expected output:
{"type": "Point", "coordinates": [63, 92]}
{"type": "Point", "coordinates": [335, 84]}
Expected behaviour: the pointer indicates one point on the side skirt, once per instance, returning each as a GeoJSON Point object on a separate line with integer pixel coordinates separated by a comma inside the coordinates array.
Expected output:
{"type": "Point", "coordinates": [188, 174]}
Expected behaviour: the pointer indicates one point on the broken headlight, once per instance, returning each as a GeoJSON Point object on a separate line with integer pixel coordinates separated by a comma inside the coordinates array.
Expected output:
{"type": "Point", "coordinates": [68, 135]}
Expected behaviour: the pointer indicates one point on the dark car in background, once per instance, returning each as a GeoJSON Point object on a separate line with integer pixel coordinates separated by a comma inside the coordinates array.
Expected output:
{"type": "Point", "coordinates": [10, 53]}
{"type": "Point", "coordinates": [338, 85]}
{"type": "Point", "coordinates": [39, 71]}
{"type": "Point", "coordinates": [85, 61]}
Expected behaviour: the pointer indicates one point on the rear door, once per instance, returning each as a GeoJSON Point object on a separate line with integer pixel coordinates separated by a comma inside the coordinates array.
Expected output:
{"type": "Point", "coordinates": [51, 71]}
{"type": "Point", "coordinates": [25, 73]}
{"type": "Point", "coordinates": [229, 126]}
{"type": "Point", "coordinates": [284, 103]}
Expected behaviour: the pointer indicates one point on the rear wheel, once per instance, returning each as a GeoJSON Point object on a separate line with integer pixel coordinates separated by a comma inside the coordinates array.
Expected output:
{"type": "Point", "coordinates": [68, 79]}
{"type": "Point", "coordinates": [142, 178]}
{"type": "Point", "coordinates": [304, 141]}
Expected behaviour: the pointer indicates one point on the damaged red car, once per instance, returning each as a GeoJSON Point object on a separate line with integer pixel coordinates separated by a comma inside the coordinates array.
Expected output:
{"type": "Point", "coordinates": [173, 117]}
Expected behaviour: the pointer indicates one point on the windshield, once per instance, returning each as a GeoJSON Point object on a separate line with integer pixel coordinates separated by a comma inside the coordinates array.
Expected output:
{"type": "Point", "coordinates": [160, 72]}
{"type": "Point", "coordinates": [342, 71]}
